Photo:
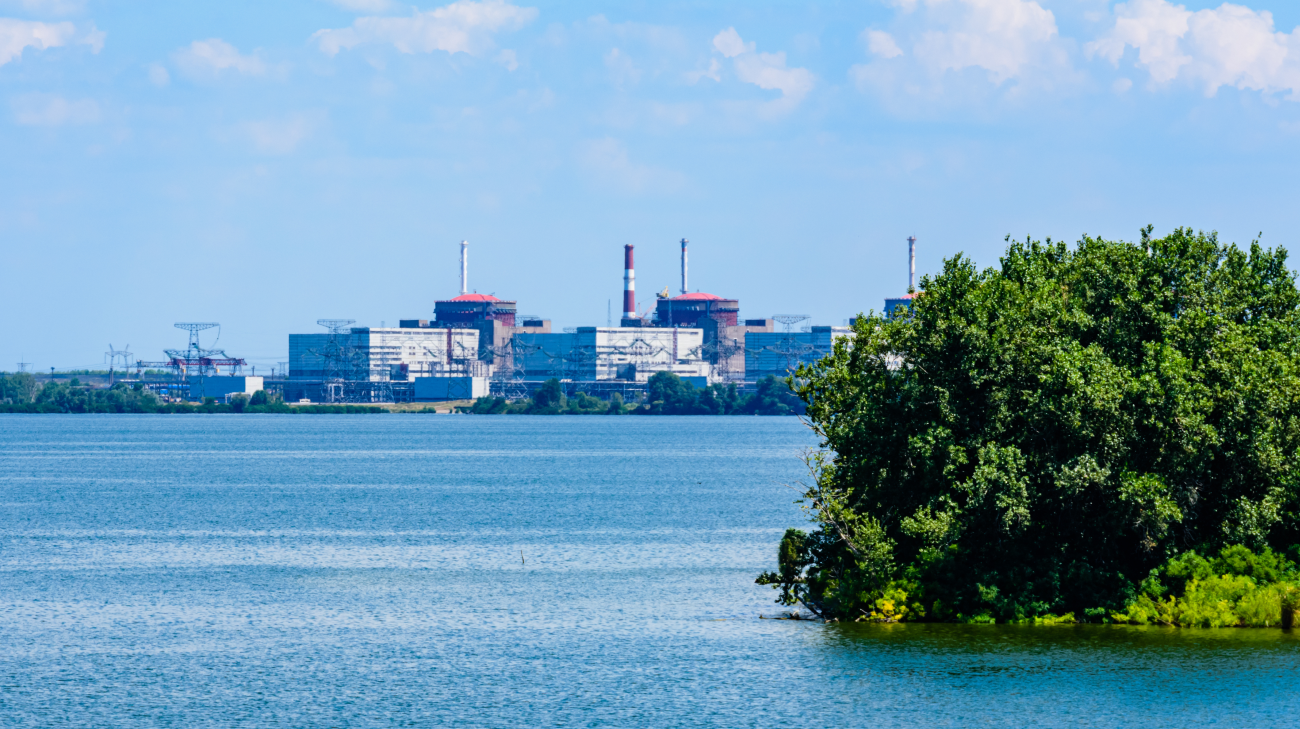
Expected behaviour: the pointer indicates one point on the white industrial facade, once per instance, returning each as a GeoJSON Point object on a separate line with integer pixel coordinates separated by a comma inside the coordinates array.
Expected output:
{"type": "Point", "coordinates": [781, 353]}
{"type": "Point", "coordinates": [612, 353]}
{"type": "Point", "coordinates": [364, 354]}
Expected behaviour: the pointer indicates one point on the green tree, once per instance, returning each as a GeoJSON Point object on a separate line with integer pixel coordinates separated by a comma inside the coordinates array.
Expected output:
{"type": "Point", "coordinates": [616, 405]}
{"type": "Point", "coordinates": [772, 397]}
{"type": "Point", "coordinates": [1037, 437]}
{"type": "Point", "coordinates": [668, 394]}
{"type": "Point", "coordinates": [549, 398]}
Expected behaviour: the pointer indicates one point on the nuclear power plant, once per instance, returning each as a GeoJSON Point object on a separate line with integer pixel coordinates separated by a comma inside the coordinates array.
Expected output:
{"type": "Point", "coordinates": [478, 344]}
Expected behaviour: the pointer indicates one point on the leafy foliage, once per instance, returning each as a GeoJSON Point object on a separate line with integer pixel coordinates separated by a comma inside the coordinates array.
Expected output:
{"type": "Point", "coordinates": [666, 394]}
{"type": "Point", "coordinates": [1035, 438]}
{"type": "Point", "coordinates": [19, 393]}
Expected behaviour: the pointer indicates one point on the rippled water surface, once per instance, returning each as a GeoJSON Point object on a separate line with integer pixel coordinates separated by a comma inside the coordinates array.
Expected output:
{"type": "Point", "coordinates": [303, 571]}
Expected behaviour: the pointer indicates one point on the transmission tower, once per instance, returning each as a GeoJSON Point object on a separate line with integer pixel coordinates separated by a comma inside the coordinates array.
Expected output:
{"type": "Point", "coordinates": [787, 321]}
{"type": "Point", "coordinates": [789, 347]}
{"type": "Point", "coordinates": [113, 355]}
{"type": "Point", "coordinates": [508, 368]}
{"type": "Point", "coordinates": [194, 328]}
{"type": "Point", "coordinates": [338, 383]}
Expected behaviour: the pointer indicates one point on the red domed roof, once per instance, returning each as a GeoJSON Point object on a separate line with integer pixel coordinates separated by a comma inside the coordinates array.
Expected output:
{"type": "Point", "coordinates": [476, 297]}
{"type": "Point", "coordinates": [697, 297]}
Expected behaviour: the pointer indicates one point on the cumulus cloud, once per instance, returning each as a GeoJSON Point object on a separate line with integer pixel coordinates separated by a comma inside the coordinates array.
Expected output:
{"type": "Point", "coordinates": [15, 35]}
{"type": "Point", "coordinates": [461, 27]}
{"type": "Point", "coordinates": [51, 7]}
{"type": "Point", "coordinates": [1231, 45]}
{"type": "Point", "coordinates": [158, 75]}
{"type": "Point", "coordinates": [608, 161]}
{"type": "Point", "coordinates": [729, 44]}
{"type": "Point", "coordinates": [881, 43]}
{"type": "Point", "coordinates": [212, 56]}
{"type": "Point", "coordinates": [280, 136]}
{"type": "Point", "coordinates": [365, 6]}
{"type": "Point", "coordinates": [765, 70]}
{"type": "Point", "coordinates": [621, 68]}
{"type": "Point", "coordinates": [1003, 37]}
{"type": "Point", "coordinates": [52, 110]}
{"type": "Point", "coordinates": [935, 49]}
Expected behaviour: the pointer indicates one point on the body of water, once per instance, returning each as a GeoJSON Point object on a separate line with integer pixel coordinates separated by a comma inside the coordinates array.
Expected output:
{"type": "Point", "coordinates": [375, 571]}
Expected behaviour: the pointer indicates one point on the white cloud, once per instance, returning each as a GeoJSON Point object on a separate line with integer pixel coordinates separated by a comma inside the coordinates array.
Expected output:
{"type": "Point", "coordinates": [158, 75]}
{"type": "Point", "coordinates": [607, 159]}
{"type": "Point", "coordinates": [729, 44]}
{"type": "Point", "coordinates": [52, 110]}
{"type": "Point", "coordinates": [461, 27]}
{"type": "Point", "coordinates": [15, 35]}
{"type": "Point", "coordinates": [765, 70]}
{"type": "Point", "coordinates": [1231, 45]}
{"type": "Point", "coordinates": [212, 56]}
{"type": "Point", "coordinates": [1003, 37]}
{"type": "Point", "coordinates": [937, 50]}
{"type": "Point", "coordinates": [768, 71]}
{"type": "Point", "coordinates": [714, 71]}
{"type": "Point", "coordinates": [881, 43]}
{"type": "Point", "coordinates": [1154, 28]}
{"type": "Point", "coordinates": [509, 59]}
{"type": "Point", "coordinates": [51, 7]}
{"type": "Point", "coordinates": [280, 136]}
{"type": "Point", "coordinates": [621, 68]}
{"type": "Point", "coordinates": [365, 6]}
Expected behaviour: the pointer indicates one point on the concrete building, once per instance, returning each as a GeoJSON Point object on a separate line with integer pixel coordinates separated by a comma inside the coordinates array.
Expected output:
{"type": "Point", "coordinates": [612, 353]}
{"type": "Point", "coordinates": [904, 301]}
{"type": "Point", "coordinates": [221, 386]}
{"type": "Point", "coordinates": [717, 317]}
{"type": "Point", "coordinates": [780, 353]}
{"type": "Point", "coordinates": [372, 359]}
{"type": "Point", "coordinates": [495, 320]}
{"type": "Point", "coordinates": [434, 389]}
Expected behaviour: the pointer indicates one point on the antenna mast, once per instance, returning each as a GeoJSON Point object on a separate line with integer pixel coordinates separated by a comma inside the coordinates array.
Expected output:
{"type": "Point", "coordinates": [911, 264]}
{"type": "Point", "coordinates": [685, 290]}
{"type": "Point", "coordinates": [464, 267]}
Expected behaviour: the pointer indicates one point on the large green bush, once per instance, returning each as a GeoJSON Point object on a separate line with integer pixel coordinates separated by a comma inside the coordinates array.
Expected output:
{"type": "Point", "coordinates": [1035, 438]}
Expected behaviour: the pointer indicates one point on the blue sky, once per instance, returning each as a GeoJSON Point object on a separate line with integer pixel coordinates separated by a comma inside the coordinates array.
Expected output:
{"type": "Point", "coordinates": [264, 165]}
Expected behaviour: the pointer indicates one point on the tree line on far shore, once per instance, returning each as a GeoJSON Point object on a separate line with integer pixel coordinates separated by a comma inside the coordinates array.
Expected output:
{"type": "Point", "coordinates": [20, 393]}
{"type": "Point", "coordinates": [666, 394]}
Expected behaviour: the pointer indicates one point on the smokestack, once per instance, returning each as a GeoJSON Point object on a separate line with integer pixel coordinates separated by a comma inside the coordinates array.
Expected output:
{"type": "Point", "coordinates": [684, 289]}
{"type": "Point", "coordinates": [911, 264]}
{"type": "Point", "coordinates": [629, 284]}
{"type": "Point", "coordinates": [464, 267]}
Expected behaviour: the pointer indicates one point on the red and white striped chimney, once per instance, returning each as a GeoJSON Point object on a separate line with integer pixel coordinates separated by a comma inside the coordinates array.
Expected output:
{"type": "Point", "coordinates": [629, 284]}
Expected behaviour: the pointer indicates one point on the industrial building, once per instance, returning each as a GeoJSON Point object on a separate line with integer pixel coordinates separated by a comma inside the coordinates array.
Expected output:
{"type": "Point", "coordinates": [718, 318]}
{"type": "Point", "coordinates": [221, 386]}
{"type": "Point", "coordinates": [781, 353]}
{"type": "Point", "coordinates": [365, 364]}
{"type": "Point", "coordinates": [469, 340]}
{"type": "Point", "coordinates": [905, 301]}
{"type": "Point", "coordinates": [631, 354]}
{"type": "Point", "coordinates": [496, 320]}
{"type": "Point", "coordinates": [195, 372]}
{"type": "Point", "coordinates": [478, 344]}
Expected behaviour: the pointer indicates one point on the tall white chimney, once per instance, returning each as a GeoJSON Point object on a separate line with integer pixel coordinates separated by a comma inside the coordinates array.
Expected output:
{"type": "Point", "coordinates": [684, 289]}
{"type": "Point", "coordinates": [464, 267]}
{"type": "Point", "coordinates": [911, 264]}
